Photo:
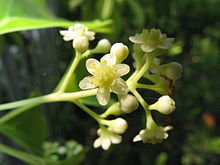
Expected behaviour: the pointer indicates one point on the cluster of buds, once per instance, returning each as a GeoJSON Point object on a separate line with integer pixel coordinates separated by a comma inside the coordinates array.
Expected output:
{"type": "Point", "coordinates": [150, 45]}
{"type": "Point", "coordinates": [106, 77]}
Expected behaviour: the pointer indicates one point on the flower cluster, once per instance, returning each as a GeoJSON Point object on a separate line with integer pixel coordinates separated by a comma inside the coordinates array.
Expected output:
{"type": "Point", "coordinates": [106, 76]}
{"type": "Point", "coordinates": [110, 133]}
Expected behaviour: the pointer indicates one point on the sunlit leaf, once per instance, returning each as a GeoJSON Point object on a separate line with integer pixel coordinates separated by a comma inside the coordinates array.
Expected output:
{"type": "Point", "coordinates": [17, 15]}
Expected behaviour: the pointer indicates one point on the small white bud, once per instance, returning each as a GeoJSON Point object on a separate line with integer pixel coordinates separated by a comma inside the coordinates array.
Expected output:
{"type": "Point", "coordinates": [128, 103]}
{"type": "Point", "coordinates": [118, 125]}
{"type": "Point", "coordinates": [103, 46]}
{"type": "Point", "coordinates": [120, 51]}
{"type": "Point", "coordinates": [81, 43]}
{"type": "Point", "coordinates": [164, 105]}
{"type": "Point", "coordinates": [172, 70]}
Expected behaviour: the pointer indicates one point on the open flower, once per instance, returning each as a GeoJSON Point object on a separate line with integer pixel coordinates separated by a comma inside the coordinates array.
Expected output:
{"type": "Point", "coordinates": [153, 134]}
{"type": "Point", "coordinates": [152, 39]}
{"type": "Point", "coordinates": [106, 76]}
{"type": "Point", "coordinates": [75, 31]}
{"type": "Point", "coordinates": [105, 139]}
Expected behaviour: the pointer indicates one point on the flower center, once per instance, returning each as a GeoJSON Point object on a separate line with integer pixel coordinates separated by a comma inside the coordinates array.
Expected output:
{"type": "Point", "coordinates": [104, 76]}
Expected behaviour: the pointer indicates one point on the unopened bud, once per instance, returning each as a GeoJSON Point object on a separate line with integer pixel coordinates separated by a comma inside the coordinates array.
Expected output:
{"type": "Point", "coordinates": [103, 46]}
{"type": "Point", "coordinates": [128, 103]}
{"type": "Point", "coordinates": [118, 125]}
{"type": "Point", "coordinates": [120, 51]}
{"type": "Point", "coordinates": [81, 43]}
{"type": "Point", "coordinates": [164, 105]}
{"type": "Point", "coordinates": [172, 70]}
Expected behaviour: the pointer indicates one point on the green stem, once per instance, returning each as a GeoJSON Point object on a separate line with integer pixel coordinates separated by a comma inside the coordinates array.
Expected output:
{"type": "Point", "coordinates": [140, 99]}
{"type": "Point", "coordinates": [132, 76]}
{"type": "Point", "coordinates": [69, 74]}
{"type": "Point", "coordinates": [87, 110]}
{"type": "Point", "coordinates": [150, 120]}
{"type": "Point", "coordinates": [26, 157]}
{"type": "Point", "coordinates": [145, 86]}
{"type": "Point", "coordinates": [31, 101]}
{"type": "Point", "coordinates": [54, 97]}
{"type": "Point", "coordinates": [143, 69]}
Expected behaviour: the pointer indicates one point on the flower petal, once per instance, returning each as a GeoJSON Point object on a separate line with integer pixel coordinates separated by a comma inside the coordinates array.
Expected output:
{"type": "Point", "coordinates": [87, 83]}
{"type": "Point", "coordinates": [116, 139]}
{"type": "Point", "coordinates": [106, 143]}
{"type": "Point", "coordinates": [121, 70]}
{"type": "Point", "coordinates": [92, 65]}
{"type": "Point", "coordinates": [97, 143]}
{"type": "Point", "coordinates": [108, 59]}
{"type": "Point", "coordinates": [147, 48]}
{"type": "Point", "coordinates": [103, 95]}
{"type": "Point", "coordinates": [137, 138]}
{"type": "Point", "coordinates": [136, 39]}
{"type": "Point", "coordinates": [120, 87]}
{"type": "Point", "coordinates": [165, 43]}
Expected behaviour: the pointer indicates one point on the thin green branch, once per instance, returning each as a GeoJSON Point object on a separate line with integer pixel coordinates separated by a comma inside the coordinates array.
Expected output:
{"type": "Point", "coordinates": [26, 157]}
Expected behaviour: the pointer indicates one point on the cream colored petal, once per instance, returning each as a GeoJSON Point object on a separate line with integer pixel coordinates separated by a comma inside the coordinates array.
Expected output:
{"type": "Point", "coordinates": [147, 48]}
{"type": "Point", "coordinates": [121, 70]}
{"type": "Point", "coordinates": [92, 65]}
{"type": "Point", "coordinates": [167, 128]}
{"type": "Point", "coordinates": [103, 95]}
{"type": "Point", "coordinates": [97, 143]}
{"type": "Point", "coordinates": [87, 83]}
{"type": "Point", "coordinates": [106, 143]}
{"type": "Point", "coordinates": [64, 32]}
{"type": "Point", "coordinates": [165, 43]}
{"type": "Point", "coordinates": [137, 138]}
{"type": "Point", "coordinates": [108, 59]}
{"type": "Point", "coordinates": [136, 39]}
{"type": "Point", "coordinates": [116, 139]}
{"type": "Point", "coordinates": [90, 35]}
{"type": "Point", "coordinates": [120, 87]}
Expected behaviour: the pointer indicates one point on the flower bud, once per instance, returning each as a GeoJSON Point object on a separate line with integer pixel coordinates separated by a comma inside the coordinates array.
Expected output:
{"type": "Point", "coordinates": [128, 103]}
{"type": "Point", "coordinates": [164, 105]}
{"type": "Point", "coordinates": [103, 46]}
{"type": "Point", "coordinates": [81, 43]}
{"type": "Point", "coordinates": [120, 51]}
{"type": "Point", "coordinates": [172, 70]}
{"type": "Point", "coordinates": [118, 125]}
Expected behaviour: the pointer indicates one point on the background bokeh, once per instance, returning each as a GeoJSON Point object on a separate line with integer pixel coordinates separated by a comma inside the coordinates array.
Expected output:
{"type": "Point", "coordinates": [32, 62]}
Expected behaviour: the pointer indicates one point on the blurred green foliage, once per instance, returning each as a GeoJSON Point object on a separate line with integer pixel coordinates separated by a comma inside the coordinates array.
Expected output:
{"type": "Point", "coordinates": [196, 27]}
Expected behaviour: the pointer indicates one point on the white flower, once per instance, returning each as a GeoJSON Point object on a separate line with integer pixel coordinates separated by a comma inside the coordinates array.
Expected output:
{"type": "Point", "coordinates": [154, 134]}
{"type": "Point", "coordinates": [106, 76]}
{"type": "Point", "coordinates": [76, 31]}
{"type": "Point", "coordinates": [152, 39]}
{"type": "Point", "coordinates": [105, 139]}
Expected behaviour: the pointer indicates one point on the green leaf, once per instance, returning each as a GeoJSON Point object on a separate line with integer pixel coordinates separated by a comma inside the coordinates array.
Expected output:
{"type": "Point", "coordinates": [17, 15]}
{"type": "Point", "coordinates": [27, 129]}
